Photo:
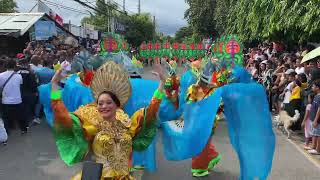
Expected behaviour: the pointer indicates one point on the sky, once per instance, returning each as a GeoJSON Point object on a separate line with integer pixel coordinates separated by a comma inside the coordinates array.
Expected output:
{"type": "Point", "coordinates": [169, 13]}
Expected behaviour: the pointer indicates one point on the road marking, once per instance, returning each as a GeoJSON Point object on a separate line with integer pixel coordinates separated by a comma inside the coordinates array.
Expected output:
{"type": "Point", "coordinates": [307, 155]}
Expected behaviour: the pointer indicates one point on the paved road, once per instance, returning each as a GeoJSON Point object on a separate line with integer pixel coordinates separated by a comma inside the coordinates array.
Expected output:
{"type": "Point", "coordinates": [34, 157]}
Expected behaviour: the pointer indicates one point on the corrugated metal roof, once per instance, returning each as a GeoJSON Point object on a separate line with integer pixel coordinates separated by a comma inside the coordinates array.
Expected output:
{"type": "Point", "coordinates": [20, 22]}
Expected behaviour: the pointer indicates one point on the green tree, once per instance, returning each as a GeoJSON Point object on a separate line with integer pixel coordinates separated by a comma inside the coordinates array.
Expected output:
{"type": "Point", "coordinates": [102, 16]}
{"type": "Point", "coordinates": [221, 12]}
{"type": "Point", "coordinates": [200, 17]}
{"type": "Point", "coordinates": [139, 28]}
{"type": "Point", "coordinates": [285, 20]}
{"type": "Point", "coordinates": [7, 6]}
{"type": "Point", "coordinates": [183, 33]}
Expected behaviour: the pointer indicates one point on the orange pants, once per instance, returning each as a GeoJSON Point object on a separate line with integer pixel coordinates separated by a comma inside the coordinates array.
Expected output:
{"type": "Point", "coordinates": [202, 160]}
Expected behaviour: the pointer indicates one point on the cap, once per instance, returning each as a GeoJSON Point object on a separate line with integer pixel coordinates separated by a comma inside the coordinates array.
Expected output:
{"type": "Point", "coordinates": [20, 56]}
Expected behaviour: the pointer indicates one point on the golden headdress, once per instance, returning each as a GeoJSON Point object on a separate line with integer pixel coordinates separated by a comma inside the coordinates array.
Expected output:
{"type": "Point", "coordinates": [112, 77]}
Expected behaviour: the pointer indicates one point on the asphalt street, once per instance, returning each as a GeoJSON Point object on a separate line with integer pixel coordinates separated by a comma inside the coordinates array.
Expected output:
{"type": "Point", "coordinates": [34, 157]}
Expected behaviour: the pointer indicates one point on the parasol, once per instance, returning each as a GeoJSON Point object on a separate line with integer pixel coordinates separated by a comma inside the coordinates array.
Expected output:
{"type": "Point", "coordinates": [313, 54]}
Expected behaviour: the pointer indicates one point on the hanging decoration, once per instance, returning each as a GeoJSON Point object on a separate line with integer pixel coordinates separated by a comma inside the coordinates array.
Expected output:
{"type": "Point", "coordinates": [112, 43]}
{"type": "Point", "coordinates": [172, 51]}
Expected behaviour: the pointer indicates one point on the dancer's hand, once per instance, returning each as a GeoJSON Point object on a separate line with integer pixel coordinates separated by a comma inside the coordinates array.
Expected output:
{"type": "Point", "coordinates": [158, 71]}
{"type": "Point", "coordinates": [56, 79]}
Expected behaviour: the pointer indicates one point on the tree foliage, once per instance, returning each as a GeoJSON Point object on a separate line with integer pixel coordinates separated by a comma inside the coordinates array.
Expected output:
{"type": "Point", "coordinates": [7, 6]}
{"type": "Point", "coordinates": [102, 15]}
{"type": "Point", "coordinates": [281, 20]}
{"type": "Point", "coordinates": [200, 17]}
{"type": "Point", "coordinates": [183, 33]}
{"type": "Point", "coordinates": [139, 27]}
{"type": "Point", "coordinates": [221, 12]}
{"type": "Point", "coordinates": [286, 20]}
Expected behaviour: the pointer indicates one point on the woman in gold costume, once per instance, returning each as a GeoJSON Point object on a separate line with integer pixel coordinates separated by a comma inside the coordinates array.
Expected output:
{"type": "Point", "coordinates": [103, 126]}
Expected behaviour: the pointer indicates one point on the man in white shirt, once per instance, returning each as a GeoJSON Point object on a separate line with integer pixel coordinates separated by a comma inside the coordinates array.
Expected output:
{"type": "Point", "coordinates": [299, 67]}
{"type": "Point", "coordinates": [290, 73]}
{"type": "Point", "coordinates": [11, 97]}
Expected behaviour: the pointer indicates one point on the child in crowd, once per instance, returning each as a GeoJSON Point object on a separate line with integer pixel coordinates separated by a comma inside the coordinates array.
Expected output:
{"type": "Point", "coordinates": [315, 118]}
{"type": "Point", "coordinates": [306, 123]}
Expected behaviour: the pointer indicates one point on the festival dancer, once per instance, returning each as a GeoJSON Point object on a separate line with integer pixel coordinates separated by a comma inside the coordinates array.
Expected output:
{"type": "Point", "coordinates": [103, 126]}
{"type": "Point", "coordinates": [209, 157]}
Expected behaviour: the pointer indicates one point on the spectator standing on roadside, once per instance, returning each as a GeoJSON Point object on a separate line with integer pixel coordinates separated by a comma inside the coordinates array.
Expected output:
{"type": "Point", "coordinates": [28, 89]}
{"type": "Point", "coordinates": [11, 97]}
{"type": "Point", "coordinates": [315, 118]}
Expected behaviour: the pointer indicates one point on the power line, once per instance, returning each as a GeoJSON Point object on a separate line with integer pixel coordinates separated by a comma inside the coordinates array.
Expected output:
{"type": "Point", "coordinates": [33, 7]}
{"type": "Point", "coordinates": [92, 3]}
{"type": "Point", "coordinates": [66, 7]}
{"type": "Point", "coordinates": [95, 9]}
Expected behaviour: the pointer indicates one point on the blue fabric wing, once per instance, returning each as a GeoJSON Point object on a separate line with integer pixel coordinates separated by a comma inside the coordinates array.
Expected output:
{"type": "Point", "coordinates": [142, 93]}
{"type": "Point", "coordinates": [44, 98]}
{"type": "Point", "coordinates": [146, 158]}
{"type": "Point", "coordinates": [249, 124]}
{"type": "Point", "coordinates": [74, 94]}
{"type": "Point", "coordinates": [180, 144]}
{"type": "Point", "coordinates": [167, 111]}
{"type": "Point", "coordinates": [250, 128]}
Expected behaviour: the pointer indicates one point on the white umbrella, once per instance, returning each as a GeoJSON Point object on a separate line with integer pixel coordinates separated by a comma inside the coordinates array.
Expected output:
{"type": "Point", "coordinates": [313, 54]}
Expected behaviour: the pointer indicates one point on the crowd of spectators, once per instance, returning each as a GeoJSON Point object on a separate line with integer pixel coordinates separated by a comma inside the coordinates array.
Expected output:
{"type": "Point", "coordinates": [21, 75]}
{"type": "Point", "coordinates": [290, 85]}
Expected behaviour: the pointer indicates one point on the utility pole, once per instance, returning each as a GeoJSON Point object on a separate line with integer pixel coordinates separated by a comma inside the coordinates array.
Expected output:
{"type": "Point", "coordinates": [108, 15]}
{"type": "Point", "coordinates": [139, 7]}
{"type": "Point", "coordinates": [124, 5]}
{"type": "Point", "coordinates": [154, 25]}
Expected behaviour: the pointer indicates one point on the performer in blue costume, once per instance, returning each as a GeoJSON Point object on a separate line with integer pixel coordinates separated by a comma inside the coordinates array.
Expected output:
{"type": "Point", "coordinates": [250, 128]}
{"type": "Point", "coordinates": [183, 136]}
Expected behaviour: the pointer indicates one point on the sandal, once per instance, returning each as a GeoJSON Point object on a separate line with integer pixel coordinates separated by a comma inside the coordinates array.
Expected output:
{"type": "Point", "coordinates": [199, 173]}
{"type": "Point", "coordinates": [214, 162]}
{"type": "Point", "coordinates": [137, 168]}
{"type": "Point", "coordinates": [307, 147]}
{"type": "Point", "coordinates": [313, 152]}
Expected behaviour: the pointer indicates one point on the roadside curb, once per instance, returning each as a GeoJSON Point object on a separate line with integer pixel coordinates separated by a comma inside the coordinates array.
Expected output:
{"type": "Point", "coordinates": [314, 159]}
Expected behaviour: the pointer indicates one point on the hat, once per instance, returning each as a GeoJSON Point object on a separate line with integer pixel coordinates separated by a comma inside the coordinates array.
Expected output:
{"type": "Point", "coordinates": [289, 71]}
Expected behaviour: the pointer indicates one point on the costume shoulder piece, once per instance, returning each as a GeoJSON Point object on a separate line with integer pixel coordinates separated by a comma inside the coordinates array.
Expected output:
{"type": "Point", "coordinates": [89, 114]}
{"type": "Point", "coordinates": [123, 118]}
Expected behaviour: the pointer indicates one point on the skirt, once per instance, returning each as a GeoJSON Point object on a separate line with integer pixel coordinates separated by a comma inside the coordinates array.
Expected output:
{"type": "Point", "coordinates": [315, 131]}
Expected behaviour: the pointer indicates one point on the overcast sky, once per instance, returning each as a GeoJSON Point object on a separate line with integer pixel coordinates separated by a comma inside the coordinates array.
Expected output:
{"type": "Point", "coordinates": [168, 13]}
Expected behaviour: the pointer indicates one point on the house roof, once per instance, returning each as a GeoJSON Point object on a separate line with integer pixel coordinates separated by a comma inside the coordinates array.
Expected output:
{"type": "Point", "coordinates": [17, 23]}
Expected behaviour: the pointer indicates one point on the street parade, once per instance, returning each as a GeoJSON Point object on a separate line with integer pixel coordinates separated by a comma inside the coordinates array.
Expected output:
{"type": "Point", "coordinates": [177, 90]}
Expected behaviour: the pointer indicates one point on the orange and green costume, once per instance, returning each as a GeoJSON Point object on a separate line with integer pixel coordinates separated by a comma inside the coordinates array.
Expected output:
{"type": "Point", "coordinates": [110, 141]}
{"type": "Point", "coordinates": [209, 157]}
